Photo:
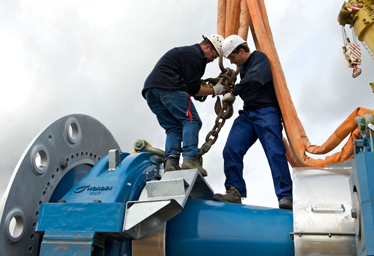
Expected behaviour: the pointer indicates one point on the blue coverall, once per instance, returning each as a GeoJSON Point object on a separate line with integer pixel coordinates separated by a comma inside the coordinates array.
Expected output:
{"type": "Point", "coordinates": [260, 119]}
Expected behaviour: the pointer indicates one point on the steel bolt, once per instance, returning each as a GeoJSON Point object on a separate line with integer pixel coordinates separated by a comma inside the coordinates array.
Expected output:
{"type": "Point", "coordinates": [138, 143]}
{"type": "Point", "coordinates": [63, 164]}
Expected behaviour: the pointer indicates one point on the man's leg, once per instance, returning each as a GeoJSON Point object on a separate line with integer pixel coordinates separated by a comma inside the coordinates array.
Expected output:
{"type": "Point", "coordinates": [179, 106]}
{"type": "Point", "coordinates": [240, 139]}
{"type": "Point", "coordinates": [187, 116]}
{"type": "Point", "coordinates": [269, 130]}
{"type": "Point", "coordinates": [190, 148]}
{"type": "Point", "coordinates": [191, 131]}
{"type": "Point", "coordinates": [157, 99]}
{"type": "Point", "coordinates": [178, 114]}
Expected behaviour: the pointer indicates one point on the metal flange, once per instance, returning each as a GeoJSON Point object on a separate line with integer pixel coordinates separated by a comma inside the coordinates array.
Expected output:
{"type": "Point", "coordinates": [70, 145]}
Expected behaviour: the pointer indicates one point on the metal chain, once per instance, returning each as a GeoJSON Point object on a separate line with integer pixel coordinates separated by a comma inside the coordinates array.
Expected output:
{"type": "Point", "coordinates": [228, 80]}
{"type": "Point", "coordinates": [224, 111]}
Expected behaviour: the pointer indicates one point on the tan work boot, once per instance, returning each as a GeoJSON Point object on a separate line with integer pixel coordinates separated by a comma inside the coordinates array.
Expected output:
{"type": "Point", "coordinates": [232, 196]}
{"type": "Point", "coordinates": [172, 164]}
{"type": "Point", "coordinates": [285, 204]}
{"type": "Point", "coordinates": [193, 163]}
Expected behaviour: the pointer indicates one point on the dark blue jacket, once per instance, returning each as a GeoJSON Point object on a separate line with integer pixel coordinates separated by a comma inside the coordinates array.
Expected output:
{"type": "Point", "coordinates": [256, 86]}
{"type": "Point", "coordinates": [181, 68]}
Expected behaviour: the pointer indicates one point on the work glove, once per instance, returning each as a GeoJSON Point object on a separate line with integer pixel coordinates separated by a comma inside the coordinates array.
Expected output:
{"type": "Point", "coordinates": [228, 97]}
{"type": "Point", "coordinates": [219, 88]}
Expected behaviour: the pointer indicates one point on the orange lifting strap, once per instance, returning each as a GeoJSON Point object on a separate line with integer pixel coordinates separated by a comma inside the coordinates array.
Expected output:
{"type": "Point", "coordinates": [236, 17]}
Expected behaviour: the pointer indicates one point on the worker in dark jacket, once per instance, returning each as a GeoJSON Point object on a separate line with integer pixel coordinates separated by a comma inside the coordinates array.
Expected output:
{"type": "Point", "coordinates": [168, 90]}
{"type": "Point", "coordinates": [260, 119]}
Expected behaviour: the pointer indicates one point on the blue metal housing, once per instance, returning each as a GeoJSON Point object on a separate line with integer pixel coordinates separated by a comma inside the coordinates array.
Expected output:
{"type": "Point", "coordinates": [215, 228]}
{"type": "Point", "coordinates": [361, 182]}
{"type": "Point", "coordinates": [124, 184]}
{"type": "Point", "coordinates": [89, 218]}
{"type": "Point", "coordinates": [92, 214]}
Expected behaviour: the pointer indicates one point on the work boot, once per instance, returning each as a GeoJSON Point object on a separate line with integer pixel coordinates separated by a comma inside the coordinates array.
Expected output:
{"type": "Point", "coordinates": [193, 163]}
{"type": "Point", "coordinates": [172, 164]}
{"type": "Point", "coordinates": [285, 204]}
{"type": "Point", "coordinates": [232, 196]}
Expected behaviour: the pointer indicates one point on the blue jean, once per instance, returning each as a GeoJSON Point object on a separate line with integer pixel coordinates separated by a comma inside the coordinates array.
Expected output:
{"type": "Point", "coordinates": [264, 124]}
{"type": "Point", "coordinates": [171, 107]}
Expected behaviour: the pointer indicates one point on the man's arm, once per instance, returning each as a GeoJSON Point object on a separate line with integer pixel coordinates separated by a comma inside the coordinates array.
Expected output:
{"type": "Point", "coordinates": [204, 91]}
{"type": "Point", "coordinates": [218, 89]}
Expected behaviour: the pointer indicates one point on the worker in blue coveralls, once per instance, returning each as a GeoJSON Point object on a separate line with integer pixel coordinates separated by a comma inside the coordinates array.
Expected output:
{"type": "Point", "coordinates": [260, 119]}
{"type": "Point", "coordinates": [168, 90]}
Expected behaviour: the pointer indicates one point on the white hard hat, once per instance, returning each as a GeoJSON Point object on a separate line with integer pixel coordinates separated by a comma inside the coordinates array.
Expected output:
{"type": "Point", "coordinates": [216, 41]}
{"type": "Point", "coordinates": [230, 44]}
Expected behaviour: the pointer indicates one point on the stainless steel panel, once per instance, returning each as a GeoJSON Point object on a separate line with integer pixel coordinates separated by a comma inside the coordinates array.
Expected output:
{"type": "Point", "coordinates": [322, 212]}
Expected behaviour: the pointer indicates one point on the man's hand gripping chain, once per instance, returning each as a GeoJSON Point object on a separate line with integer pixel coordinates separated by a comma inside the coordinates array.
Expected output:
{"type": "Point", "coordinates": [226, 81]}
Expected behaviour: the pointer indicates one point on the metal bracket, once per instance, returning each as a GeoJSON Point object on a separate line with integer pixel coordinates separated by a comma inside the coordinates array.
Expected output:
{"type": "Point", "coordinates": [166, 198]}
{"type": "Point", "coordinates": [328, 233]}
{"type": "Point", "coordinates": [329, 208]}
{"type": "Point", "coordinates": [114, 159]}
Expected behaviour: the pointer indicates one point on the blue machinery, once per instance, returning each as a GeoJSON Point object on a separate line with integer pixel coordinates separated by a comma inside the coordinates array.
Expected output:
{"type": "Point", "coordinates": [75, 193]}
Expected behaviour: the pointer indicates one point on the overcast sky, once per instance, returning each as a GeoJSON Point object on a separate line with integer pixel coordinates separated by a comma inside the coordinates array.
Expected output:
{"type": "Point", "coordinates": [89, 57]}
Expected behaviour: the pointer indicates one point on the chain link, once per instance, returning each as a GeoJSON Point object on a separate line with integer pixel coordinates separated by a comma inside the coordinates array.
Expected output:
{"type": "Point", "coordinates": [224, 111]}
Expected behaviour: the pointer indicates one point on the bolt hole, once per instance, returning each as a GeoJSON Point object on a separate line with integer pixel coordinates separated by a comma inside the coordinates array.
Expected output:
{"type": "Point", "coordinates": [73, 132]}
{"type": "Point", "coordinates": [16, 227]}
{"type": "Point", "coordinates": [40, 160]}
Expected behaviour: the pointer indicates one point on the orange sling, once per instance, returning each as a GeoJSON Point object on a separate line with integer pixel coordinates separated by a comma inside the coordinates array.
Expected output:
{"type": "Point", "coordinates": [236, 17]}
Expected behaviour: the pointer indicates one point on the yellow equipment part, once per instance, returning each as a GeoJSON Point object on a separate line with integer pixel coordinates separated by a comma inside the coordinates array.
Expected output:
{"type": "Point", "coordinates": [360, 15]}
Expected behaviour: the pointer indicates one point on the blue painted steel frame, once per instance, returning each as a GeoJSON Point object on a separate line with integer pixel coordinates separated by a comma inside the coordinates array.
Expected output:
{"type": "Point", "coordinates": [364, 179]}
{"type": "Point", "coordinates": [124, 184]}
{"type": "Point", "coordinates": [202, 228]}
{"type": "Point", "coordinates": [79, 225]}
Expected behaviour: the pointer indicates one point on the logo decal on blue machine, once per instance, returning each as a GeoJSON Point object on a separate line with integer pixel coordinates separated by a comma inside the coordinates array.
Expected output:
{"type": "Point", "coordinates": [93, 190]}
